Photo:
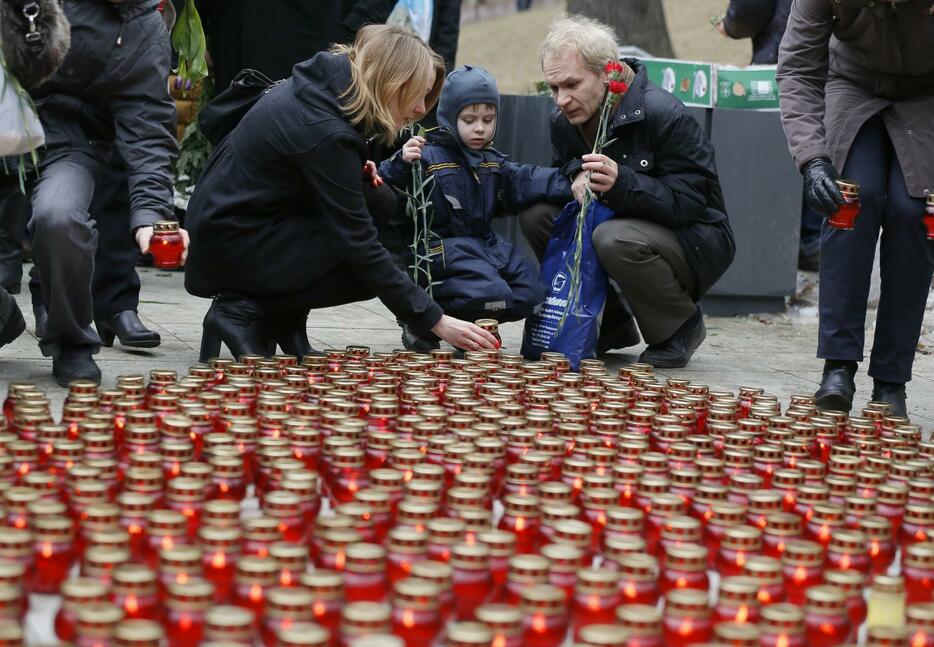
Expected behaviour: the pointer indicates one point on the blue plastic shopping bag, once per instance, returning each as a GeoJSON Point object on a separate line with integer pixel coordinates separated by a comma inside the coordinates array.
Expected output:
{"type": "Point", "coordinates": [577, 338]}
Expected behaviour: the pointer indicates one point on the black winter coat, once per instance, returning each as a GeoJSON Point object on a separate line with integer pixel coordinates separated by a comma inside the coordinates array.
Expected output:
{"type": "Point", "coordinates": [667, 173]}
{"type": "Point", "coordinates": [280, 203]}
{"type": "Point", "coordinates": [761, 20]}
{"type": "Point", "coordinates": [445, 31]}
{"type": "Point", "coordinates": [112, 88]}
{"type": "Point", "coordinates": [273, 35]}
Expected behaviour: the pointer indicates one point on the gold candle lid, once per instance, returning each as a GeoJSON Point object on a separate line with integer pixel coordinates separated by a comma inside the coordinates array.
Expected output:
{"type": "Point", "coordinates": [468, 634]}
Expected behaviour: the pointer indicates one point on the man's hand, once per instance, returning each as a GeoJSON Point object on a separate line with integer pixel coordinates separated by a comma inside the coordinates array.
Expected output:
{"type": "Point", "coordinates": [820, 187]}
{"type": "Point", "coordinates": [372, 173]}
{"type": "Point", "coordinates": [463, 334]}
{"type": "Point", "coordinates": [721, 29]}
{"type": "Point", "coordinates": [412, 149]}
{"type": "Point", "coordinates": [144, 235]}
{"type": "Point", "coordinates": [603, 172]}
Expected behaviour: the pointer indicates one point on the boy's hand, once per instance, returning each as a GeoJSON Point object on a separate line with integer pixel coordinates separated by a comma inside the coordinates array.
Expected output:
{"type": "Point", "coordinates": [371, 173]}
{"type": "Point", "coordinates": [412, 149]}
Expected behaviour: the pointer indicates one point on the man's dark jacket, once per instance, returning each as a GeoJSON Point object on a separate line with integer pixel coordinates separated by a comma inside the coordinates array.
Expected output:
{"type": "Point", "coordinates": [667, 173]}
{"type": "Point", "coordinates": [273, 35]}
{"type": "Point", "coordinates": [280, 203]}
{"type": "Point", "coordinates": [112, 88]}
{"type": "Point", "coordinates": [761, 20]}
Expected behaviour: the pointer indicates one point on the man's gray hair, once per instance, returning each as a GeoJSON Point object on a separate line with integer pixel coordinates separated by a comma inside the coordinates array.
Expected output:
{"type": "Point", "coordinates": [593, 40]}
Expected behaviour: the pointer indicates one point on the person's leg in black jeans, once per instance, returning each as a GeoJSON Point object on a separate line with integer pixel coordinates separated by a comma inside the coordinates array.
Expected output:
{"type": "Point", "coordinates": [64, 241]}
{"type": "Point", "coordinates": [116, 285]}
{"type": "Point", "coordinates": [846, 268]}
{"type": "Point", "coordinates": [906, 260]}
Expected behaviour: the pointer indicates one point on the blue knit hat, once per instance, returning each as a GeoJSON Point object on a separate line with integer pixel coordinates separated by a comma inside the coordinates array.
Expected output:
{"type": "Point", "coordinates": [465, 86]}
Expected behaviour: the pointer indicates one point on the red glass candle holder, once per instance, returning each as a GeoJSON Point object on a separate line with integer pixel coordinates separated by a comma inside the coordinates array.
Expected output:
{"type": "Point", "coordinates": [406, 546]}
{"type": "Point", "coordinates": [362, 620]}
{"type": "Point", "coordinates": [365, 573]}
{"type": "Point", "coordinates": [76, 593]}
{"type": "Point", "coordinates": [929, 216]}
{"type": "Point", "coordinates": [304, 634]}
{"type": "Point", "coordinates": [684, 567]}
{"type": "Point", "coordinates": [166, 245]}
{"type": "Point", "coordinates": [737, 601]}
{"type": "Point", "coordinates": [686, 620]}
{"type": "Point", "coordinates": [825, 619]}
{"type": "Point", "coordinates": [327, 592]}
{"type": "Point", "coordinates": [845, 216]}
{"type": "Point", "coordinates": [473, 584]}
{"type": "Point", "coordinates": [224, 623]}
{"type": "Point", "coordinates": [284, 608]}
{"type": "Point", "coordinates": [254, 576]}
{"type": "Point", "coordinates": [133, 589]}
{"type": "Point", "coordinates": [847, 550]}
{"type": "Point", "coordinates": [782, 625]}
{"type": "Point", "coordinates": [179, 564]}
{"type": "Point", "coordinates": [415, 616]}
{"type": "Point", "coordinates": [220, 550]}
{"type": "Point", "coordinates": [853, 584]}
{"type": "Point", "coordinates": [186, 607]}
{"type": "Point", "coordinates": [502, 545]}
{"type": "Point", "coordinates": [739, 543]}
{"type": "Point", "coordinates": [802, 568]}
{"type": "Point", "coordinates": [917, 524]}
{"type": "Point", "coordinates": [780, 528]}
{"type": "Point", "coordinates": [53, 554]}
{"type": "Point", "coordinates": [544, 616]}
{"type": "Point", "coordinates": [918, 572]}
{"type": "Point", "coordinates": [879, 542]}
{"type": "Point", "coordinates": [166, 529]}
{"type": "Point", "coordinates": [768, 572]}
{"type": "Point", "coordinates": [595, 599]}
{"type": "Point", "coordinates": [521, 519]}
{"type": "Point", "coordinates": [920, 622]}
{"type": "Point", "coordinates": [442, 574]}
{"type": "Point", "coordinates": [524, 571]}
{"type": "Point", "coordinates": [97, 624]}
{"type": "Point", "coordinates": [505, 623]}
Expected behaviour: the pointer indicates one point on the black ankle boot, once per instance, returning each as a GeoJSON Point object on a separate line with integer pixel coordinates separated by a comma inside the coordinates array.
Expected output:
{"type": "Point", "coordinates": [291, 336]}
{"type": "Point", "coordinates": [236, 321]}
{"type": "Point", "coordinates": [75, 363]}
{"type": "Point", "coordinates": [837, 386]}
{"type": "Point", "coordinates": [126, 326]}
{"type": "Point", "coordinates": [891, 393]}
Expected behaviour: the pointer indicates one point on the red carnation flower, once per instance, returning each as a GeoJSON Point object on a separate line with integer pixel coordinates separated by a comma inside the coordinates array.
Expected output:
{"type": "Point", "coordinates": [613, 66]}
{"type": "Point", "coordinates": [618, 87]}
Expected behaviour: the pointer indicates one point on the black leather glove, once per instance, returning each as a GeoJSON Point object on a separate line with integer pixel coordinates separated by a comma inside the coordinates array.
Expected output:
{"type": "Point", "coordinates": [820, 187]}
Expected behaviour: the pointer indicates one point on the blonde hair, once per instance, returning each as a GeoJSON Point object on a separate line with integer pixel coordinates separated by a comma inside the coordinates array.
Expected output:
{"type": "Point", "coordinates": [388, 61]}
{"type": "Point", "coordinates": [594, 41]}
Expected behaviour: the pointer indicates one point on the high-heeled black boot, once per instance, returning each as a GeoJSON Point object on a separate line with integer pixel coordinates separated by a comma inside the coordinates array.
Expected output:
{"type": "Point", "coordinates": [291, 336]}
{"type": "Point", "coordinates": [236, 321]}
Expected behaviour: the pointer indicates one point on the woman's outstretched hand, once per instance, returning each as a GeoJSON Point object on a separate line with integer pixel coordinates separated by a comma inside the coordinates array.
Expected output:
{"type": "Point", "coordinates": [463, 334]}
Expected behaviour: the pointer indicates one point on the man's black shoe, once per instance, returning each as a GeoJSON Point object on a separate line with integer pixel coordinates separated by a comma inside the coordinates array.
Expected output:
{"type": "Point", "coordinates": [126, 326]}
{"type": "Point", "coordinates": [676, 352]}
{"type": "Point", "coordinates": [837, 387]}
{"type": "Point", "coordinates": [75, 363]}
{"type": "Point", "coordinates": [12, 323]}
{"type": "Point", "coordinates": [418, 343]}
{"type": "Point", "coordinates": [892, 394]}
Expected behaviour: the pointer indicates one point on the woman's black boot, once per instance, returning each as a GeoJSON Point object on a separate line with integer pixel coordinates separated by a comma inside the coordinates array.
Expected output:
{"type": "Point", "coordinates": [236, 321]}
{"type": "Point", "coordinates": [291, 335]}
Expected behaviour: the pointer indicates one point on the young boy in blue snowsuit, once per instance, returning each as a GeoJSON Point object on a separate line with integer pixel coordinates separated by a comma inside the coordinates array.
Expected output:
{"type": "Point", "coordinates": [477, 273]}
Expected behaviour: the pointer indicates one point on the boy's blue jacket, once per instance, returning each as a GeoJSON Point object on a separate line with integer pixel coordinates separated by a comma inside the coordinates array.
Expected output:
{"type": "Point", "coordinates": [465, 200]}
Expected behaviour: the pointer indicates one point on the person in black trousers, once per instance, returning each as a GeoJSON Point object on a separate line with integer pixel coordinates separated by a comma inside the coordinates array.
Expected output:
{"type": "Point", "coordinates": [280, 220]}
{"type": "Point", "coordinates": [857, 90]}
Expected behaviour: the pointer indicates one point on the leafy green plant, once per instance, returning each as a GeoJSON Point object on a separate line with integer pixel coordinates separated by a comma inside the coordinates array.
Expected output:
{"type": "Point", "coordinates": [193, 151]}
{"type": "Point", "coordinates": [419, 208]}
{"type": "Point", "coordinates": [188, 40]}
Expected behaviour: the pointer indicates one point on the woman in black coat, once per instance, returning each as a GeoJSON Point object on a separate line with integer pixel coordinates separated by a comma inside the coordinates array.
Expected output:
{"type": "Point", "coordinates": [281, 222]}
